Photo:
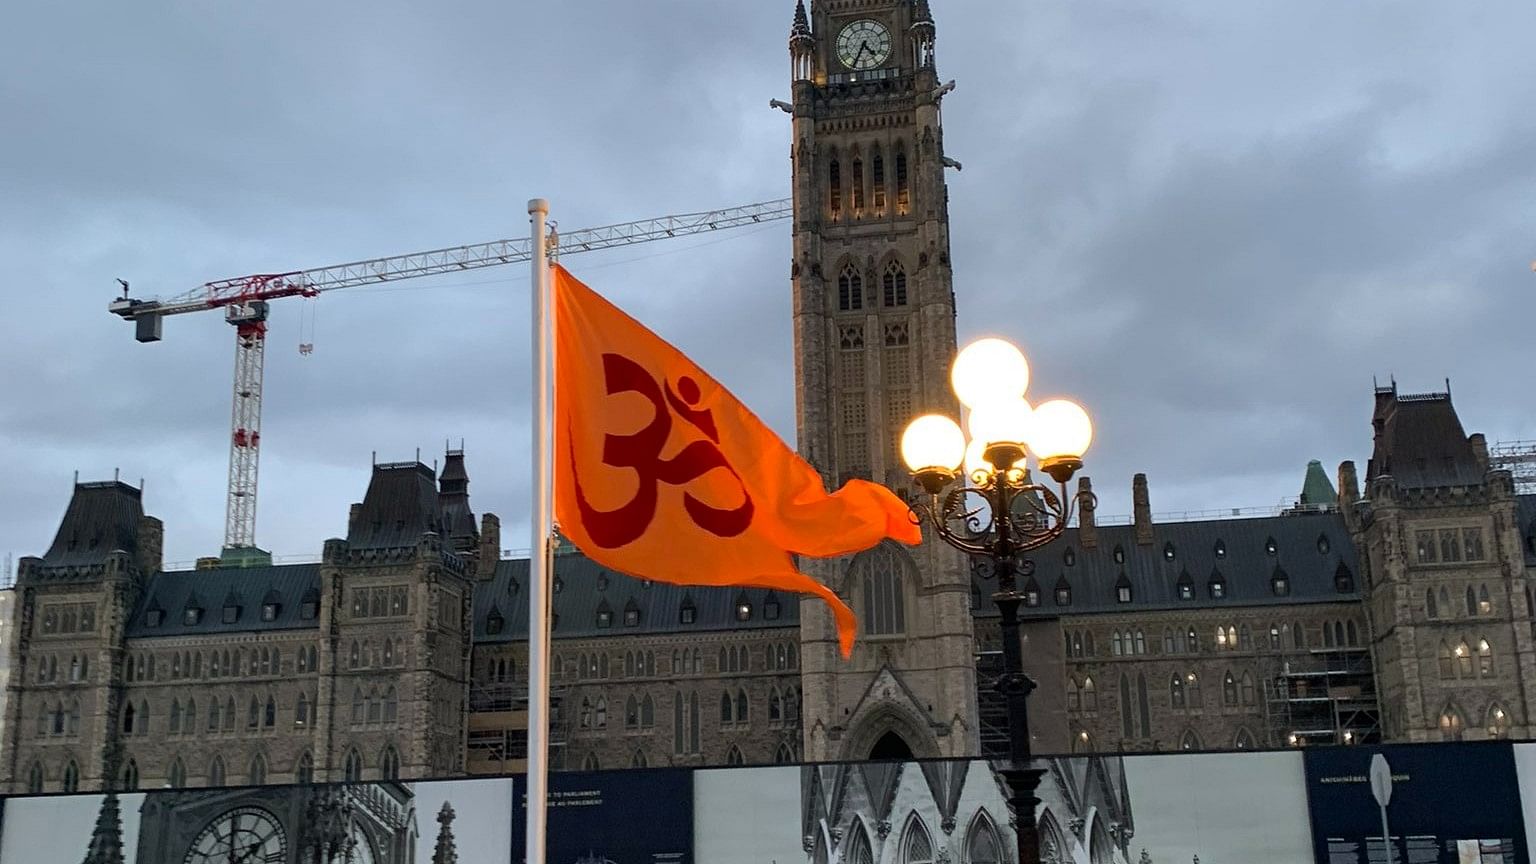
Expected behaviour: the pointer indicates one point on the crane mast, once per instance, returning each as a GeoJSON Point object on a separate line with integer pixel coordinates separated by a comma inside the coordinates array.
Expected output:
{"type": "Point", "coordinates": [245, 300]}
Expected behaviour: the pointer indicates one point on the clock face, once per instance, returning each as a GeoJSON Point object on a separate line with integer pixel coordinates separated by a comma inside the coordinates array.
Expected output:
{"type": "Point", "coordinates": [248, 835]}
{"type": "Point", "coordinates": [864, 45]}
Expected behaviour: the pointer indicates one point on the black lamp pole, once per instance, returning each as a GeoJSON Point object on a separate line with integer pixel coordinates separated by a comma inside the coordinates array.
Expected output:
{"type": "Point", "coordinates": [1018, 517]}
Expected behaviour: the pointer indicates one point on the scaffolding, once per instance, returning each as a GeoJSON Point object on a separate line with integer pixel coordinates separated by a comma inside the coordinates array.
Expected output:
{"type": "Point", "coordinates": [1519, 459]}
{"type": "Point", "coordinates": [991, 705]}
{"type": "Point", "coordinates": [498, 728]}
{"type": "Point", "coordinates": [1327, 696]}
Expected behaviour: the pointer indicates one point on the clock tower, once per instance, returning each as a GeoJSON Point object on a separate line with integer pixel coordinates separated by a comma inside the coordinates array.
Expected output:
{"type": "Point", "coordinates": [874, 325]}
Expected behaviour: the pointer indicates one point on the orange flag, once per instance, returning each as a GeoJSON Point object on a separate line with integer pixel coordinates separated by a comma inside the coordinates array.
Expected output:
{"type": "Point", "coordinates": [662, 474]}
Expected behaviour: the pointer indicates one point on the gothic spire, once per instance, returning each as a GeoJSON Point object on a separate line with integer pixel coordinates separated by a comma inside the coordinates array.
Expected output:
{"type": "Point", "coordinates": [922, 15]}
{"type": "Point", "coordinates": [802, 23]}
{"type": "Point", "coordinates": [445, 853]}
{"type": "Point", "coordinates": [107, 839]}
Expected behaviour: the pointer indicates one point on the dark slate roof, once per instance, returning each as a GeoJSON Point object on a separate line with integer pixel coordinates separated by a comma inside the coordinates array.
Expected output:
{"type": "Point", "coordinates": [453, 502]}
{"type": "Point", "coordinates": [171, 592]}
{"type": "Point", "coordinates": [1526, 509]}
{"type": "Point", "coordinates": [1246, 569]}
{"type": "Point", "coordinates": [1420, 442]}
{"type": "Point", "coordinates": [101, 518]}
{"type": "Point", "coordinates": [584, 586]}
{"type": "Point", "coordinates": [400, 506]}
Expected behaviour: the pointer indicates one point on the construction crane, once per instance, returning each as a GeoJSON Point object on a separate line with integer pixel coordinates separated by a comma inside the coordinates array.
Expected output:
{"type": "Point", "coordinates": [1519, 459]}
{"type": "Point", "coordinates": [244, 301]}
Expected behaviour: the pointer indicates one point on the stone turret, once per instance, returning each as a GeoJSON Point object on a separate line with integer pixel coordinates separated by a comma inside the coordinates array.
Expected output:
{"type": "Point", "coordinates": [1141, 504]}
{"type": "Point", "coordinates": [445, 852]}
{"type": "Point", "coordinates": [1087, 530]}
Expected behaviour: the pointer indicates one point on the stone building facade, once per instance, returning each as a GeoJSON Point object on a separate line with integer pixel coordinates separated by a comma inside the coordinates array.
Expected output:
{"type": "Point", "coordinates": [1401, 611]}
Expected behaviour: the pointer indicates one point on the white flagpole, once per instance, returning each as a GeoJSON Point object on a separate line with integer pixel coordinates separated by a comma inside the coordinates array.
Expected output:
{"type": "Point", "coordinates": [539, 552]}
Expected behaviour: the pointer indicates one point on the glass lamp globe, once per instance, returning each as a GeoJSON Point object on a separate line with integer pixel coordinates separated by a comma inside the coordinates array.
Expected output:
{"type": "Point", "coordinates": [989, 369]}
{"type": "Point", "coordinates": [976, 465]}
{"type": "Point", "coordinates": [933, 442]}
{"type": "Point", "coordinates": [1059, 434]}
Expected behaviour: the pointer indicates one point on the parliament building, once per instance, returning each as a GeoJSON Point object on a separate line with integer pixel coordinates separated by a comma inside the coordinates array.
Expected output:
{"type": "Point", "coordinates": [1393, 606]}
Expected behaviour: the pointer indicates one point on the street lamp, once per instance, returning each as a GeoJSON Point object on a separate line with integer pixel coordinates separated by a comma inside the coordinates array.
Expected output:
{"type": "Point", "coordinates": [982, 502]}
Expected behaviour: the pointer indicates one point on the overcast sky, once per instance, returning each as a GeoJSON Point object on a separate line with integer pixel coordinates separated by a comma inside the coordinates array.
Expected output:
{"type": "Point", "coordinates": [1211, 223]}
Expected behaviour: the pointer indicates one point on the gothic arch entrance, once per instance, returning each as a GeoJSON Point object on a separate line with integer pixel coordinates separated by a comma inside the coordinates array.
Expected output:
{"type": "Point", "coordinates": [891, 747]}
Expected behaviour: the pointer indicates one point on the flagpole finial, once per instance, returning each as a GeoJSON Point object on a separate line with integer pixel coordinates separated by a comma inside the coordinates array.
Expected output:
{"type": "Point", "coordinates": [538, 205]}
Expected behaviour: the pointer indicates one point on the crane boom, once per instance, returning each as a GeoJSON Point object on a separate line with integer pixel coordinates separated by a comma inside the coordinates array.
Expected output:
{"type": "Point", "coordinates": [244, 301]}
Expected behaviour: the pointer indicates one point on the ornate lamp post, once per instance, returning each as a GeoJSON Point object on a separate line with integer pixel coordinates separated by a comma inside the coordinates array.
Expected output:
{"type": "Point", "coordinates": [981, 502]}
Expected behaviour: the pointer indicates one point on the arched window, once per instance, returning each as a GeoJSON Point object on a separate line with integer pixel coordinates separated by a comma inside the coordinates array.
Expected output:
{"type": "Point", "coordinates": [1463, 659]}
{"type": "Point", "coordinates": [600, 716]}
{"type": "Point", "coordinates": [982, 845]}
{"type": "Point", "coordinates": [303, 661]}
{"type": "Point", "coordinates": [1471, 601]}
{"type": "Point", "coordinates": [1351, 633]}
{"type": "Point", "coordinates": [389, 764]}
{"type": "Point", "coordinates": [1141, 642]}
{"type": "Point", "coordinates": [176, 777]}
{"type": "Point", "coordinates": [742, 715]}
{"type": "Point", "coordinates": [1451, 724]}
{"type": "Point", "coordinates": [1229, 691]}
{"type": "Point", "coordinates": [590, 763]}
{"type": "Point", "coordinates": [903, 194]}
{"type": "Point", "coordinates": [775, 706]}
{"type": "Point", "coordinates": [677, 723]}
{"type": "Point", "coordinates": [631, 713]}
{"type": "Point", "coordinates": [1190, 741]}
{"type": "Point", "coordinates": [301, 710]}
{"type": "Point", "coordinates": [175, 721]}
{"type": "Point", "coordinates": [216, 771]}
{"type": "Point", "coordinates": [859, 851]}
{"type": "Point", "coordinates": [1298, 636]}
{"type": "Point", "coordinates": [1192, 640]}
{"type": "Point", "coordinates": [258, 771]}
{"type": "Point", "coordinates": [734, 757]}
{"type": "Point", "coordinates": [389, 652]}
{"type": "Point", "coordinates": [647, 712]}
{"type": "Point", "coordinates": [1484, 658]}
{"type": "Point", "coordinates": [353, 656]}
{"type": "Point", "coordinates": [727, 709]}
{"type": "Point", "coordinates": [35, 779]}
{"type": "Point", "coordinates": [835, 186]}
{"type": "Point", "coordinates": [130, 777]}
{"type": "Point", "coordinates": [1484, 602]}
{"type": "Point", "coordinates": [352, 768]}
{"type": "Point", "coordinates": [269, 713]}
{"type": "Point", "coordinates": [1430, 609]}
{"type": "Point", "coordinates": [877, 170]}
{"type": "Point", "coordinates": [638, 760]}
{"type": "Point", "coordinates": [858, 183]}
{"type": "Point", "coordinates": [128, 717]}
{"type": "Point", "coordinates": [693, 722]}
{"type": "Point", "coordinates": [784, 755]}
{"type": "Point", "coordinates": [1244, 740]}
{"type": "Point", "coordinates": [1168, 644]}
{"type": "Point", "coordinates": [1247, 688]}
{"type": "Point", "coordinates": [305, 772]}
{"type": "Point", "coordinates": [1244, 637]}
{"type": "Point", "coordinates": [1192, 689]}
{"type": "Point", "coordinates": [850, 289]}
{"type": "Point", "coordinates": [1115, 647]}
{"type": "Point", "coordinates": [1127, 723]}
{"type": "Point", "coordinates": [253, 714]}
{"type": "Point", "coordinates": [895, 284]}
{"type": "Point", "coordinates": [917, 846]}
{"type": "Point", "coordinates": [1144, 708]}
{"type": "Point", "coordinates": [1498, 721]}
{"type": "Point", "coordinates": [392, 706]}
{"type": "Point", "coordinates": [884, 604]}
{"type": "Point", "coordinates": [360, 706]}
{"type": "Point", "coordinates": [1176, 692]}
{"type": "Point", "coordinates": [724, 663]}
{"type": "Point", "coordinates": [1447, 662]}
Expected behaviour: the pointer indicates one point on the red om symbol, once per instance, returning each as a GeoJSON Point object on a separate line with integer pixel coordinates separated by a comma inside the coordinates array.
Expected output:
{"type": "Point", "coordinates": [641, 452]}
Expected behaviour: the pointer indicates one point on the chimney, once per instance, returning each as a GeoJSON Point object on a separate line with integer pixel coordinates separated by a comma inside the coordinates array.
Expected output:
{"type": "Point", "coordinates": [1087, 531]}
{"type": "Point", "coordinates": [151, 545]}
{"type": "Point", "coordinates": [352, 517]}
{"type": "Point", "coordinates": [1141, 505]}
{"type": "Point", "coordinates": [1479, 449]}
{"type": "Point", "coordinates": [490, 545]}
{"type": "Point", "coordinates": [1349, 486]}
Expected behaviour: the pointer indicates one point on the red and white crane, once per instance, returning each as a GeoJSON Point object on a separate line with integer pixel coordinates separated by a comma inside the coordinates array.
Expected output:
{"type": "Point", "coordinates": [244, 302]}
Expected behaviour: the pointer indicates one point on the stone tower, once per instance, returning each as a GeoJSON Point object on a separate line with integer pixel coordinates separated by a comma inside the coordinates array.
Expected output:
{"type": "Point", "coordinates": [874, 324]}
{"type": "Point", "coordinates": [1447, 596]}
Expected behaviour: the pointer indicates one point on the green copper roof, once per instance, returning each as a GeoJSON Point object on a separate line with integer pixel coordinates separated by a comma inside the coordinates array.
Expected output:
{"type": "Point", "coordinates": [1316, 490]}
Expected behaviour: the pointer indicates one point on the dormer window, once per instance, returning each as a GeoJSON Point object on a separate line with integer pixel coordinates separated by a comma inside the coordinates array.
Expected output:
{"type": "Point", "coordinates": [308, 610]}
{"type": "Point", "coordinates": [153, 617]}
{"type": "Point", "coordinates": [632, 617]}
{"type": "Point", "coordinates": [1218, 586]}
{"type": "Point", "coordinates": [1168, 553]}
{"type": "Point", "coordinates": [269, 611]}
{"type": "Point", "coordinates": [1031, 594]}
{"type": "Point", "coordinates": [1271, 547]}
{"type": "Point", "coordinates": [1343, 579]}
{"type": "Point", "coordinates": [1186, 586]}
{"type": "Point", "coordinates": [1323, 545]}
{"type": "Point", "coordinates": [1119, 555]}
{"type": "Point", "coordinates": [1063, 592]}
{"type": "Point", "coordinates": [743, 610]}
{"type": "Point", "coordinates": [1069, 557]}
{"type": "Point", "coordinates": [770, 610]}
{"type": "Point", "coordinates": [231, 614]}
{"type": "Point", "coordinates": [191, 616]}
{"type": "Point", "coordinates": [689, 612]}
{"type": "Point", "coordinates": [1221, 549]}
{"type": "Point", "coordinates": [1280, 583]}
{"type": "Point", "coordinates": [494, 623]}
{"type": "Point", "coordinates": [1123, 589]}
{"type": "Point", "coordinates": [604, 617]}
{"type": "Point", "coordinates": [602, 581]}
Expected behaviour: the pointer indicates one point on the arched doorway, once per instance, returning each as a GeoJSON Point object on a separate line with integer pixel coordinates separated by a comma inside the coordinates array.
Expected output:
{"type": "Point", "coordinates": [891, 747]}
